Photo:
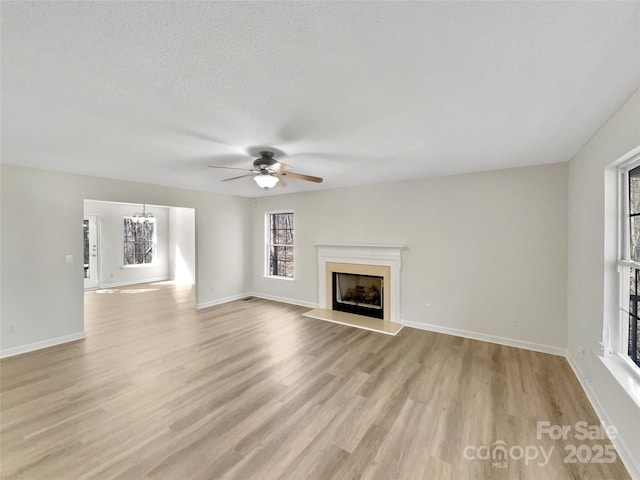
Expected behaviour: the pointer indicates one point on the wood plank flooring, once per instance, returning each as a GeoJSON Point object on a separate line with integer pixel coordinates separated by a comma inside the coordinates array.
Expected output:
{"type": "Point", "coordinates": [253, 390]}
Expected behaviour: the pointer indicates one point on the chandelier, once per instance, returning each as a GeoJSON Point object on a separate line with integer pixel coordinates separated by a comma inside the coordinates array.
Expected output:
{"type": "Point", "coordinates": [144, 215]}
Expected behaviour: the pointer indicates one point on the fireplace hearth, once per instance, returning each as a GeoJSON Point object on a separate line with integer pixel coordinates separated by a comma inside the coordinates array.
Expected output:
{"type": "Point", "coordinates": [358, 294]}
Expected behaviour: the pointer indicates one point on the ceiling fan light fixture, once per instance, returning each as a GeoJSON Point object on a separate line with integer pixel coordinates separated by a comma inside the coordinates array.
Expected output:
{"type": "Point", "coordinates": [266, 180]}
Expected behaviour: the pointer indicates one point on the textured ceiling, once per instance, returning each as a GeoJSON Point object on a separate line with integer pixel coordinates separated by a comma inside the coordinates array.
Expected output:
{"type": "Point", "coordinates": [355, 92]}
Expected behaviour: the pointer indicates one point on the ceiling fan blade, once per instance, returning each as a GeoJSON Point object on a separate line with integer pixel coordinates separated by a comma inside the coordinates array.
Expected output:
{"type": "Point", "coordinates": [236, 178]}
{"type": "Point", "coordinates": [300, 176]}
{"type": "Point", "coordinates": [232, 168]}
{"type": "Point", "coordinates": [280, 167]}
{"type": "Point", "coordinates": [281, 183]}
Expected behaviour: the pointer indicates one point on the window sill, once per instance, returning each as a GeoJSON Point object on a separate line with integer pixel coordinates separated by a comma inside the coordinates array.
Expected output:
{"type": "Point", "coordinates": [140, 265]}
{"type": "Point", "coordinates": [627, 375]}
{"type": "Point", "coordinates": [274, 277]}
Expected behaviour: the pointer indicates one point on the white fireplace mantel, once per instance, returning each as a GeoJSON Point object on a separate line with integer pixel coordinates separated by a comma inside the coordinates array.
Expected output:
{"type": "Point", "coordinates": [387, 255]}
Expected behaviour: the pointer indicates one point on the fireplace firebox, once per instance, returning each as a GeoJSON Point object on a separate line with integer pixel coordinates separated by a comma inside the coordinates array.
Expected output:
{"type": "Point", "coordinates": [358, 294]}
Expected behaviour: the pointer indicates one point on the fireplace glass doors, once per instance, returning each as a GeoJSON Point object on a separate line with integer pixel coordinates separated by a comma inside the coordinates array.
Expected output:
{"type": "Point", "coordinates": [358, 294]}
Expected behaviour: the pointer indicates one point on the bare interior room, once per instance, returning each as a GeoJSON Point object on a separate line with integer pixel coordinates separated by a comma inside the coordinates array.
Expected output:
{"type": "Point", "coordinates": [320, 240]}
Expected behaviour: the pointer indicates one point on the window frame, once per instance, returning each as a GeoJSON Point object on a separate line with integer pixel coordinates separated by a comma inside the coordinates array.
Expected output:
{"type": "Point", "coordinates": [618, 340]}
{"type": "Point", "coordinates": [153, 242]}
{"type": "Point", "coordinates": [268, 244]}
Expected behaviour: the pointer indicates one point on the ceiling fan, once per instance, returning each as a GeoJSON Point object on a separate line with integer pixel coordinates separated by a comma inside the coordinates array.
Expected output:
{"type": "Point", "coordinates": [268, 172]}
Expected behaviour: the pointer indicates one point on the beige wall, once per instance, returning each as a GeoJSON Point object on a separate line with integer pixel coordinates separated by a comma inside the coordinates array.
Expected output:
{"type": "Point", "coordinates": [42, 296]}
{"type": "Point", "coordinates": [592, 285]}
{"type": "Point", "coordinates": [484, 250]}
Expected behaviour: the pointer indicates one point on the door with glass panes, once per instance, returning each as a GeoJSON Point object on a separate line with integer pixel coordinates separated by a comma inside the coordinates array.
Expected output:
{"type": "Point", "coordinates": [90, 227]}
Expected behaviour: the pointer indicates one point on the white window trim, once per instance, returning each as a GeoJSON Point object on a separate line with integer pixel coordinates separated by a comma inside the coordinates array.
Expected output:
{"type": "Point", "coordinates": [615, 334]}
{"type": "Point", "coordinates": [267, 245]}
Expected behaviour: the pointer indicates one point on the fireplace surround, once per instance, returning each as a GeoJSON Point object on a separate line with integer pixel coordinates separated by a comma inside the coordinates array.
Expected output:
{"type": "Point", "coordinates": [375, 260]}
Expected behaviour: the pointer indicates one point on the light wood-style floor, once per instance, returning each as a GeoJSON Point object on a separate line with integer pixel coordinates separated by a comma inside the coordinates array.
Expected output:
{"type": "Point", "coordinates": [254, 390]}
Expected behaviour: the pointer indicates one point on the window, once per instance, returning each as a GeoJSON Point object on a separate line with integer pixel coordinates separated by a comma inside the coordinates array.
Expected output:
{"type": "Point", "coordinates": [139, 240]}
{"type": "Point", "coordinates": [629, 261]}
{"type": "Point", "coordinates": [279, 244]}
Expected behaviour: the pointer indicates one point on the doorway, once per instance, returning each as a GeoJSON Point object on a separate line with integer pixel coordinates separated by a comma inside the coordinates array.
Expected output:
{"type": "Point", "coordinates": [110, 257]}
{"type": "Point", "coordinates": [91, 274]}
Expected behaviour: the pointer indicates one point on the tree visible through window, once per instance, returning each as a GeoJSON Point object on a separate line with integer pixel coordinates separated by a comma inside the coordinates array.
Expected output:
{"type": "Point", "coordinates": [628, 330]}
{"type": "Point", "coordinates": [139, 240]}
{"type": "Point", "coordinates": [280, 244]}
{"type": "Point", "coordinates": [633, 255]}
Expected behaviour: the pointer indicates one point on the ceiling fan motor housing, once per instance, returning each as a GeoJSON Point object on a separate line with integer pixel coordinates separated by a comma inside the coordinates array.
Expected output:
{"type": "Point", "coordinates": [266, 160]}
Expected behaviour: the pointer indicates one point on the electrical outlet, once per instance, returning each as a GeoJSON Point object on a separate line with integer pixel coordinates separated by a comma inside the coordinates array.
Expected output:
{"type": "Point", "coordinates": [11, 327]}
{"type": "Point", "coordinates": [427, 306]}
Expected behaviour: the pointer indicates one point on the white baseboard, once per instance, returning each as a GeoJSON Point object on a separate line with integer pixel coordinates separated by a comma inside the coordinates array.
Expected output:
{"type": "Point", "coordinates": [291, 301]}
{"type": "Point", "coordinates": [135, 282]}
{"type": "Point", "coordinates": [509, 342]}
{"type": "Point", "coordinates": [264, 296]}
{"type": "Point", "coordinates": [30, 347]}
{"type": "Point", "coordinates": [536, 347]}
{"type": "Point", "coordinates": [233, 298]}
{"type": "Point", "coordinates": [630, 461]}
{"type": "Point", "coordinates": [220, 301]}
